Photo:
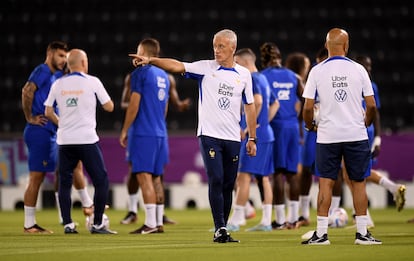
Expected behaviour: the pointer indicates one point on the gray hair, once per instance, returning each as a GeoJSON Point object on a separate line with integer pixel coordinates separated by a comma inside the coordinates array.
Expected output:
{"type": "Point", "coordinates": [229, 34]}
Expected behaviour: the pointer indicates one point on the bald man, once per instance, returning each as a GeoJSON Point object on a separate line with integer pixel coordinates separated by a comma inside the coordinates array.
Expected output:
{"type": "Point", "coordinates": [76, 95]}
{"type": "Point", "coordinates": [341, 132]}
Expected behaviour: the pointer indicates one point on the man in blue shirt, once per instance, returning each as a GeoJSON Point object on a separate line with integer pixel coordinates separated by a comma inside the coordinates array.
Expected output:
{"type": "Point", "coordinates": [147, 140]}
{"type": "Point", "coordinates": [261, 166]}
{"type": "Point", "coordinates": [40, 135]}
{"type": "Point", "coordinates": [288, 89]}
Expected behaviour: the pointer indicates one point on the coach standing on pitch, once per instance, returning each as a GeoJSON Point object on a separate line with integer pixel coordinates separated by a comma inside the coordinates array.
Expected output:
{"type": "Point", "coordinates": [223, 87]}
{"type": "Point", "coordinates": [341, 83]}
{"type": "Point", "coordinates": [75, 95]}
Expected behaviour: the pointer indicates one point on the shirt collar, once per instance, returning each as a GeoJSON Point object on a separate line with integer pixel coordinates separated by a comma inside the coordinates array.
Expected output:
{"type": "Point", "coordinates": [227, 69]}
{"type": "Point", "coordinates": [336, 58]}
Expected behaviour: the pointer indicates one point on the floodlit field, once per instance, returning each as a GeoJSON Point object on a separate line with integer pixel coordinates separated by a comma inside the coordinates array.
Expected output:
{"type": "Point", "coordinates": [190, 239]}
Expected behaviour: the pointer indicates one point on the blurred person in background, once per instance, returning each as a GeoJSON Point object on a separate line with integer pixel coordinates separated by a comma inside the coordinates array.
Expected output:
{"type": "Point", "coordinates": [287, 87]}
{"type": "Point", "coordinates": [261, 166]}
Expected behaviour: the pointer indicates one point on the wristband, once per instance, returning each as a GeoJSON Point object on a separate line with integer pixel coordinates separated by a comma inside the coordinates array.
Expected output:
{"type": "Point", "coordinates": [312, 128]}
{"type": "Point", "coordinates": [253, 139]}
{"type": "Point", "coordinates": [376, 142]}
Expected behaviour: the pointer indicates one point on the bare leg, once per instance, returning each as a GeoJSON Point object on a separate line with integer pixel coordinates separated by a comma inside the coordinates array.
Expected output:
{"type": "Point", "coordinates": [32, 190]}
{"type": "Point", "coordinates": [30, 199]}
{"type": "Point", "coordinates": [359, 197]}
{"type": "Point", "coordinates": [323, 204]}
{"type": "Point", "coordinates": [150, 198]}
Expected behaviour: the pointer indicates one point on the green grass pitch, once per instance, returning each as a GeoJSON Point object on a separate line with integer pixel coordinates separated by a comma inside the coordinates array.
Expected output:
{"type": "Point", "coordinates": [190, 239]}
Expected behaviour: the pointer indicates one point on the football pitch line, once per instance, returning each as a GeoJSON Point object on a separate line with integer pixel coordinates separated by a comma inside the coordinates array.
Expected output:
{"type": "Point", "coordinates": [5, 252]}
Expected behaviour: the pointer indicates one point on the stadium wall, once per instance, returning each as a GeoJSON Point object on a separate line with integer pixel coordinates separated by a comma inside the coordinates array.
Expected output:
{"type": "Point", "coordinates": [185, 177]}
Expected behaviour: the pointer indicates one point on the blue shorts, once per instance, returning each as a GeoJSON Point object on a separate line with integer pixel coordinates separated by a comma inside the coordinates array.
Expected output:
{"type": "Point", "coordinates": [286, 148]}
{"type": "Point", "coordinates": [261, 164]}
{"type": "Point", "coordinates": [357, 158]}
{"type": "Point", "coordinates": [148, 154]}
{"type": "Point", "coordinates": [42, 148]}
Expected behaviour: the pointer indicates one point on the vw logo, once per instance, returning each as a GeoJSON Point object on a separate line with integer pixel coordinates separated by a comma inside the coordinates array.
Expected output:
{"type": "Point", "coordinates": [340, 95]}
{"type": "Point", "coordinates": [161, 94]}
{"type": "Point", "coordinates": [224, 103]}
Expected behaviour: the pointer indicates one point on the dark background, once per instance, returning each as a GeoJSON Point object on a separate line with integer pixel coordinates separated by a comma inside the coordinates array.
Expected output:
{"type": "Point", "coordinates": [109, 30]}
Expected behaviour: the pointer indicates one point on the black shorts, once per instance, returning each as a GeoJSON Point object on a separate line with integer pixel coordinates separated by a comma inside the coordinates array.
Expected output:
{"type": "Point", "coordinates": [357, 158]}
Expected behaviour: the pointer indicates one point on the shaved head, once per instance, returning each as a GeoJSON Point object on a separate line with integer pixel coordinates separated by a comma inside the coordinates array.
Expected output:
{"type": "Point", "coordinates": [77, 61]}
{"type": "Point", "coordinates": [337, 42]}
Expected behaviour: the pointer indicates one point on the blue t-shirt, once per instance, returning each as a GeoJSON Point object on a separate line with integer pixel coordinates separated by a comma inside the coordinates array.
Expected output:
{"type": "Point", "coordinates": [153, 85]}
{"type": "Point", "coordinates": [264, 132]}
{"type": "Point", "coordinates": [43, 78]}
{"type": "Point", "coordinates": [371, 128]}
{"type": "Point", "coordinates": [283, 83]}
{"type": "Point", "coordinates": [376, 96]}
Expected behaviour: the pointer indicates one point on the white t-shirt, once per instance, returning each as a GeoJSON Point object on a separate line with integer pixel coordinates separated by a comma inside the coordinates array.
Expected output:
{"type": "Point", "coordinates": [222, 92]}
{"type": "Point", "coordinates": [75, 95]}
{"type": "Point", "coordinates": [341, 85]}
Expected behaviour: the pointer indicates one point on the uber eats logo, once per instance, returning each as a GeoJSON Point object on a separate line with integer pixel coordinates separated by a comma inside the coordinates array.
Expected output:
{"type": "Point", "coordinates": [71, 102]}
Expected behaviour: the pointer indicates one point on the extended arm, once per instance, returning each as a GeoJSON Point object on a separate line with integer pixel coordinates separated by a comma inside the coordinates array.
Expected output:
{"type": "Point", "coordinates": [168, 64]}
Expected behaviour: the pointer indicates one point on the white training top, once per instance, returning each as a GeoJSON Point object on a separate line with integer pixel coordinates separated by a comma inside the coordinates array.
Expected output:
{"type": "Point", "coordinates": [341, 85]}
{"type": "Point", "coordinates": [75, 95]}
{"type": "Point", "coordinates": [221, 94]}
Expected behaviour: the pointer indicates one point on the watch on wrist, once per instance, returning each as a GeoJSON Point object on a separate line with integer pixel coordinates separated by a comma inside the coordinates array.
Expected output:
{"type": "Point", "coordinates": [312, 128]}
{"type": "Point", "coordinates": [253, 139]}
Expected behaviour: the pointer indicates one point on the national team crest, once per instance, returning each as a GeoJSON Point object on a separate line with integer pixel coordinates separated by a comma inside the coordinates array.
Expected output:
{"type": "Point", "coordinates": [212, 153]}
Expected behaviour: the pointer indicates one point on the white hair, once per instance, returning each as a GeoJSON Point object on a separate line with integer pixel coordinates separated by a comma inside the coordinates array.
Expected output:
{"type": "Point", "coordinates": [229, 34]}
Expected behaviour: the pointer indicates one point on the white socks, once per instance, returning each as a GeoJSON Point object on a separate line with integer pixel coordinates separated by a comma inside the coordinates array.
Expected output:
{"type": "Point", "coordinates": [266, 215]}
{"type": "Point", "coordinates": [29, 216]}
{"type": "Point", "coordinates": [150, 215]}
{"type": "Point", "coordinates": [160, 214]}
{"type": "Point", "coordinates": [238, 216]}
{"type": "Point", "coordinates": [361, 224]}
{"type": "Point", "coordinates": [280, 214]}
{"type": "Point", "coordinates": [133, 203]}
{"type": "Point", "coordinates": [321, 226]}
{"type": "Point", "coordinates": [304, 202]}
{"type": "Point", "coordinates": [85, 198]}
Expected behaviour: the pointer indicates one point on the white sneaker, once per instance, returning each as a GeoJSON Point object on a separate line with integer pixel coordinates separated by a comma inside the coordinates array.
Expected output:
{"type": "Point", "coordinates": [368, 239]}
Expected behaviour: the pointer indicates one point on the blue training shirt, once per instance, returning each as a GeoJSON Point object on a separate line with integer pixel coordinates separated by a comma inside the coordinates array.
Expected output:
{"type": "Point", "coordinates": [153, 85]}
{"type": "Point", "coordinates": [261, 86]}
{"type": "Point", "coordinates": [43, 78]}
{"type": "Point", "coordinates": [283, 83]}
